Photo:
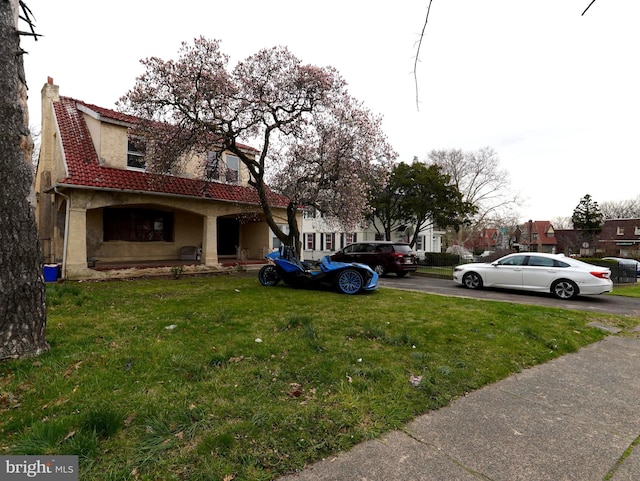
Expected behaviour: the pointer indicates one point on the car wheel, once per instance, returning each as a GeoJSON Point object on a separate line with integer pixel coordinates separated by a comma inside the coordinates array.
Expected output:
{"type": "Point", "coordinates": [268, 276]}
{"type": "Point", "coordinates": [350, 281]}
{"type": "Point", "coordinates": [380, 270]}
{"type": "Point", "coordinates": [564, 289]}
{"type": "Point", "coordinates": [472, 280]}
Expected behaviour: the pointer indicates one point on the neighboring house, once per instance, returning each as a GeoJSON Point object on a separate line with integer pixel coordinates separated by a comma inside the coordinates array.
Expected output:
{"type": "Point", "coordinates": [489, 239]}
{"type": "Point", "coordinates": [96, 202]}
{"type": "Point", "coordinates": [569, 242]}
{"type": "Point", "coordinates": [620, 238]}
{"type": "Point", "coordinates": [320, 239]}
{"type": "Point", "coordinates": [536, 236]}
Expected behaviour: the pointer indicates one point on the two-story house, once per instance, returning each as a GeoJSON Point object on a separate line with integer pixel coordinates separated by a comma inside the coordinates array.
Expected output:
{"type": "Point", "coordinates": [620, 238]}
{"type": "Point", "coordinates": [95, 202]}
{"type": "Point", "coordinates": [320, 239]}
{"type": "Point", "coordinates": [536, 236]}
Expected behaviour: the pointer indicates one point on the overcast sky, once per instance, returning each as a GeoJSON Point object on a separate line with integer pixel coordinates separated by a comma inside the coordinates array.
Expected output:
{"type": "Point", "coordinates": [554, 93]}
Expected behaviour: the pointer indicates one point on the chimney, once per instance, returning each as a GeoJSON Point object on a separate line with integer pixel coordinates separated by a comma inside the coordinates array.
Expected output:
{"type": "Point", "coordinates": [50, 93]}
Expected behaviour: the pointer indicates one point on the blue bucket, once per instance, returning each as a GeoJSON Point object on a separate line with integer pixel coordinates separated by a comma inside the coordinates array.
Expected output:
{"type": "Point", "coordinates": [51, 272]}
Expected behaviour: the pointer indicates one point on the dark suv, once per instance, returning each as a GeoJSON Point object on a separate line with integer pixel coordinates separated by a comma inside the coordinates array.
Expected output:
{"type": "Point", "coordinates": [382, 256]}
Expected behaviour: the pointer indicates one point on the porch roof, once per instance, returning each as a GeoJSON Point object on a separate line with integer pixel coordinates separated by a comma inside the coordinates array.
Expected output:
{"type": "Point", "coordinates": [84, 168]}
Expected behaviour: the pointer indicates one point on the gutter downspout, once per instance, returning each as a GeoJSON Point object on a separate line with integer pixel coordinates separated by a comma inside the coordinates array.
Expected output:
{"type": "Point", "coordinates": [63, 272]}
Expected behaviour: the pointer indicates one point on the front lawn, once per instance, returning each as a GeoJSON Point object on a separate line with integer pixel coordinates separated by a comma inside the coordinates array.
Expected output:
{"type": "Point", "coordinates": [221, 378]}
{"type": "Point", "coordinates": [628, 290]}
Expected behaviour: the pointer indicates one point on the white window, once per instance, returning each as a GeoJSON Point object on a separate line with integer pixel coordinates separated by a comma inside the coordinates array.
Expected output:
{"type": "Point", "coordinates": [637, 230]}
{"type": "Point", "coordinates": [620, 231]}
{"type": "Point", "coordinates": [328, 241]}
{"type": "Point", "coordinates": [309, 242]}
{"type": "Point", "coordinates": [349, 238]}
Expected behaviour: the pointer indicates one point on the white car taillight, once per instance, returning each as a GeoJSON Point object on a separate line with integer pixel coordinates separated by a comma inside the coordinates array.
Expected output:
{"type": "Point", "coordinates": [600, 275]}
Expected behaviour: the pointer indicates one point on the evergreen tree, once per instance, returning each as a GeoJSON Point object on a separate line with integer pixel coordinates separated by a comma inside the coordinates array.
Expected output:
{"type": "Point", "coordinates": [587, 217]}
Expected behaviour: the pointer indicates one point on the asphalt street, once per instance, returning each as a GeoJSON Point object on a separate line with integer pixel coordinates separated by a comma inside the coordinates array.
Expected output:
{"type": "Point", "coordinates": [446, 287]}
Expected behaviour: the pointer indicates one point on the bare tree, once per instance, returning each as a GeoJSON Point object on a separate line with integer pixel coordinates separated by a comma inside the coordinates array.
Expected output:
{"type": "Point", "coordinates": [621, 209]}
{"type": "Point", "coordinates": [22, 289]}
{"type": "Point", "coordinates": [481, 180]}
{"type": "Point", "coordinates": [483, 183]}
{"type": "Point", "coordinates": [562, 223]}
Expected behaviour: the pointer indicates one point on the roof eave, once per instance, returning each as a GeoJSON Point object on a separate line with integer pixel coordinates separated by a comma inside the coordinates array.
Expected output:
{"type": "Point", "coordinates": [147, 192]}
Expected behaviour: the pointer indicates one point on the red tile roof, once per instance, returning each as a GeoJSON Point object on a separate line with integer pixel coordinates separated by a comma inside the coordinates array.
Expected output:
{"type": "Point", "coordinates": [84, 169]}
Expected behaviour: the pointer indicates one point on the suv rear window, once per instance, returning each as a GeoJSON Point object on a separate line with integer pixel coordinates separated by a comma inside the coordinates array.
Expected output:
{"type": "Point", "coordinates": [405, 249]}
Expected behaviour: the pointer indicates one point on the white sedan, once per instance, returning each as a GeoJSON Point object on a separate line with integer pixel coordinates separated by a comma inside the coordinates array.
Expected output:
{"type": "Point", "coordinates": [561, 276]}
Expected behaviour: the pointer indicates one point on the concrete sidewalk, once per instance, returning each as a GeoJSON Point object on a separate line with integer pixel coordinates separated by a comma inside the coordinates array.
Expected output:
{"type": "Point", "coordinates": [574, 418]}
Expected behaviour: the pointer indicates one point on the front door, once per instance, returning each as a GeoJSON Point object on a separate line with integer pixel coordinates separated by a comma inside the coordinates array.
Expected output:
{"type": "Point", "coordinates": [228, 236]}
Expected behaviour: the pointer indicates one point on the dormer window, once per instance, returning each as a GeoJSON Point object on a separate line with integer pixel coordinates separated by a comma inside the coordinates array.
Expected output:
{"type": "Point", "coordinates": [225, 168]}
{"type": "Point", "coordinates": [136, 148]}
{"type": "Point", "coordinates": [232, 169]}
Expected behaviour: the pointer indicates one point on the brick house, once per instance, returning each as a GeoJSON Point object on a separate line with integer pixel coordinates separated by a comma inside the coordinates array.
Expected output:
{"type": "Point", "coordinates": [536, 236]}
{"type": "Point", "coordinates": [620, 238]}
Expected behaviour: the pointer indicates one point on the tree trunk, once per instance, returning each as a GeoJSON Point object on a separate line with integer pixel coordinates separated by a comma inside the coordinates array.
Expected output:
{"type": "Point", "coordinates": [22, 288]}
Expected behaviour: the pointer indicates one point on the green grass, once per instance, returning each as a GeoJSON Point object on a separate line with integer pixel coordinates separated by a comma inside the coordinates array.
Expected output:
{"type": "Point", "coordinates": [627, 290]}
{"type": "Point", "coordinates": [221, 378]}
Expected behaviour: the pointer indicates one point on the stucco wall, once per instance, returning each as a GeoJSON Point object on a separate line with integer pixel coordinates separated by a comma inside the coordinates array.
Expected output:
{"type": "Point", "coordinates": [187, 232]}
{"type": "Point", "coordinates": [255, 240]}
{"type": "Point", "coordinates": [113, 145]}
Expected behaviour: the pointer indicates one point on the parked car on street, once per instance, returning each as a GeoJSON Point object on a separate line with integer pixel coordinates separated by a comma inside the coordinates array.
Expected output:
{"type": "Point", "coordinates": [384, 257]}
{"type": "Point", "coordinates": [561, 276]}
{"type": "Point", "coordinates": [626, 262]}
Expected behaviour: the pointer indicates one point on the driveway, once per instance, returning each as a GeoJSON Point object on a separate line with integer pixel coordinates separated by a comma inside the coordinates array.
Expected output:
{"type": "Point", "coordinates": [604, 303]}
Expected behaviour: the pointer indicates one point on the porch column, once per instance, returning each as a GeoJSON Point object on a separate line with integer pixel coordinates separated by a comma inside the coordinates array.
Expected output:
{"type": "Point", "coordinates": [75, 256]}
{"type": "Point", "coordinates": [210, 241]}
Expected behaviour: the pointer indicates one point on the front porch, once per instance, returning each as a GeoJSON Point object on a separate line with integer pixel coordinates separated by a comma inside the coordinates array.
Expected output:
{"type": "Point", "coordinates": [225, 262]}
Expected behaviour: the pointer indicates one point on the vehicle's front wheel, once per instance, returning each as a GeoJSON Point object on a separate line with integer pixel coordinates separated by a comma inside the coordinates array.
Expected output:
{"type": "Point", "coordinates": [350, 281]}
{"type": "Point", "coordinates": [268, 276]}
{"type": "Point", "coordinates": [380, 270]}
{"type": "Point", "coordinates": [472, 280]}
{"type": "Point", "coordinates": [564, 289]}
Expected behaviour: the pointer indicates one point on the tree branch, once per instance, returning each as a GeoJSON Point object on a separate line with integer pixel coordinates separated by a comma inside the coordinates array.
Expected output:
{"type": "Point", "coordinates": [415, 63]}
{"type": "Point", "coordinates": [417, 57]}
{"type": "Point", "coordinates": [27, 17]}
{"type": "Point", "coordinates": [585, 10]}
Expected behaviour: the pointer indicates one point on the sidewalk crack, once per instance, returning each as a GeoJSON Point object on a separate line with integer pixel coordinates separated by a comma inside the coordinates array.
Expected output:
{"type": "Point", "coordinates": [473, 472]}
{"type": "Point", "coordinates": [620, 461]}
